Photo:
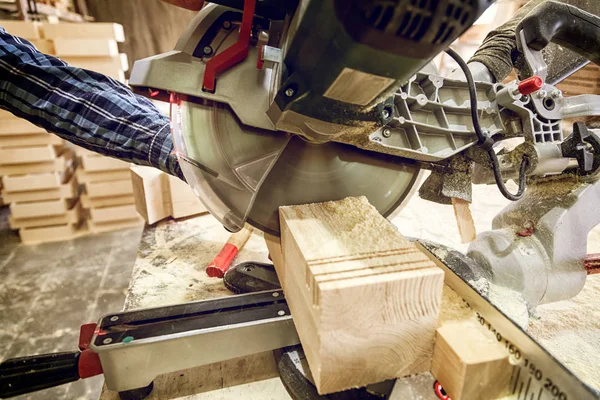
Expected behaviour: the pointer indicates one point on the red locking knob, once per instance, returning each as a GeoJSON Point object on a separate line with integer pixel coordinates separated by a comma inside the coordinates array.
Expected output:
{"type": "Point", "coordinates": [530, 85]}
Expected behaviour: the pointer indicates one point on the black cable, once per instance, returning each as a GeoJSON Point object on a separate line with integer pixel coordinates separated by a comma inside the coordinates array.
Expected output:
{"type": "Point", "coordinates": [486, 142]}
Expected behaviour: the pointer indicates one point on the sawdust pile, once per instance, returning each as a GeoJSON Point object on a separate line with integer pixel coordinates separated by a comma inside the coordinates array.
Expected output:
{"type": "Point", "coordinates": [453, 308]}
{"type": "Point", "coordinates": [569, 330]}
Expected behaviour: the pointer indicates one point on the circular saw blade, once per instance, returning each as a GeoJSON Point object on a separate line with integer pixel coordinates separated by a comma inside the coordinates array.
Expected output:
{"type": "Point", "coordinates": [308, 173]}
{"type": "Point", "coordinates": [254, 171]}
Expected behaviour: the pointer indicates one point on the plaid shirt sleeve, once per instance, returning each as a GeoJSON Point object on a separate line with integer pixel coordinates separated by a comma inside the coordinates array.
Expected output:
{"type": "Point", "coordinates": [86, 108]}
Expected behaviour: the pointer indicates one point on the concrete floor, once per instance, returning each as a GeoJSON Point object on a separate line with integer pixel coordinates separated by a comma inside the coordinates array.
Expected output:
{"type": "Point", "coordinates": [47, 291]}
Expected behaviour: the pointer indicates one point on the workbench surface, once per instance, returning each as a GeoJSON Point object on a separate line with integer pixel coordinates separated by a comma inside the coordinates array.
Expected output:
{"type": "Point", "coordinates": [169, 269]}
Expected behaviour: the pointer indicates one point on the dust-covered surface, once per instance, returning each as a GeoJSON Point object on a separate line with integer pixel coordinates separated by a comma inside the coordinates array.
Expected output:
{"type": "Point", "coordinates": [570, 331]}
{"type": "Point", "coordinates": [172, 258]}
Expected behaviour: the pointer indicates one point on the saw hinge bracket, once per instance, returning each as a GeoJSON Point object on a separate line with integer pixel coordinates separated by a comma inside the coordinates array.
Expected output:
{"type": "Point", "coordinates": [238, 52]}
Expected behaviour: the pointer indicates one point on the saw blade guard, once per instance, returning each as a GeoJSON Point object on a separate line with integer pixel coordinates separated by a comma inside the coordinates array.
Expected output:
{"type": "Point", "coordinates": [225, 171]}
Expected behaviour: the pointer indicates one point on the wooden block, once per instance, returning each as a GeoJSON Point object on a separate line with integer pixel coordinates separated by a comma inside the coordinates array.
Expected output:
{"type": "Point", "coordinates": [41, 208]}
{"type": "Point", "coordinates": [95, 162]}
{"type": "Point", "coordinates": [26, 155]}
{"type": "Point", "coordinates": [104, 189]}
{"type": "Point", "coordinates": [24, 183]}
{"type": "Point", "coordinates": [58, 233]}
{"type": "Point", "coordinates": [45, 46]}
{"type": "Point", "coordinates": [159, 195]}
{"type": "Point", "coordinates": [98, 202]}
{"type": "Point", "coordinates": [73, 216]}
{"type": "Point", "coordinates": [58, 164]}
{"type": "Point", "coordinates": [151, 193]}
{"type": "Point", "coordinates": [36, 139]}
{"type": "Point", "coordinates": [25, 30]}
{"type": "Point", "coordinates": [17, 126]}
{"type": "Point", "coordinates": [96, 30]}
{"type": "Point", "coordinates": [464, 220]}
{"type": "Point", "coordinates": [469, 362]}
{"type": "Point", "coordinates": [86, 47]}
{"type": "Point", "coordinates": [365, 300]}
{"type": "Point", "coordinates": [69, 190]}
{"type": "Point", "coordinates": [100, 227]}
{"type": "Point", "coordinates": [184, 201]}
{"type": "Point", "coordinates": [102, 176]}
{"type": "Point", "coordinates": [113, 213]}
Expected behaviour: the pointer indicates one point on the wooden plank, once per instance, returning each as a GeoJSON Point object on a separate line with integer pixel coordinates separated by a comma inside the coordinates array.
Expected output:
{"type": "Point", "coordinates": [36, 139]}
{"type": "Point", "coordinates": [44, 46]}
{"type": "Point", "coordinates": [151, 193]}
{"type": "Point", "coordinates": [159, 195]}
{"type": "Point", "coordinates": [58, 233]}
{"type": "Point", "coordinates": [86, 47]}
{"type": "Point", "coordinates": [464, 220]}
{"type": "Point", "coordinates": [113, 213]}
{"type": "Point", "coordinates": [360, 294]}
{"type": "Point", "coordinates": [105, 189]}
{"type": "Point", "coordinates": [25, 30]}
{"type": "Point", "coordinates": [4, 114]}
{"type": "Point", "coordinates": [184, 201]}
{"type": "Point", "coordinates": [100, 64]}
{"type": "Point", "coordinates": [106, 201]}
{"type": "Point", "coordinates": [25, 155]}
{"type": "Point", "coordinates": [18, 126]}
{"type": "Point", "coordinates": [101, 227]}
{"type": "Point", "coordinates": [93, 163]}
{"type": "Point", "coordinates": [58, 164]}
{"type": "Point", "coordinates": [469, 362]}
{"type": "Point", "coordinates": [68, 190]}
{"type": "Point", "coordinates": [41, 208]}
{"type": "Point", "coordinates": [73, 216]}
{"type": "Point", "coordinates": [94, 30]}
{"type": "Point", "coordinates": [24, 183]}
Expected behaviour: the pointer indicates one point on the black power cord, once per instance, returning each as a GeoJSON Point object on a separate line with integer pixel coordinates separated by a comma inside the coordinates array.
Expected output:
{"type": "Point", "coordinates": [485, 141]}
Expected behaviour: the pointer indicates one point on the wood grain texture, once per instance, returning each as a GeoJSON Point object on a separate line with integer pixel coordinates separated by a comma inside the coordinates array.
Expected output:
{"type": "Point", "coordinates": [469, 362]}
{"type": "Point", "coordinates": [365, 301]}
{"type": "Point", "coordinates": [464, 220]}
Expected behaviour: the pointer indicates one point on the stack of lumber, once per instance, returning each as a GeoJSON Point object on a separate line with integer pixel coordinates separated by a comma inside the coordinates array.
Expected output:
{"type": "Point", "coordinates": [108, 196]}
{"type": "Point", "coordinates": [92, 46]}
{"type": "Point", "coordinates": [38, 182]}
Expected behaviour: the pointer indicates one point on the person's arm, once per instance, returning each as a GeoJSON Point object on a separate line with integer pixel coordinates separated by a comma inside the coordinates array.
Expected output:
{"type": "Point", "coordinates": [86, 108]}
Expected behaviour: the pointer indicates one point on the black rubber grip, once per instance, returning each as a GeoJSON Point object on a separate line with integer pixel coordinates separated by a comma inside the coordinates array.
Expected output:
{"type": "Point", "coordinates": [30, 374]}
{"type": "Point", "coordinates": [565, 25]}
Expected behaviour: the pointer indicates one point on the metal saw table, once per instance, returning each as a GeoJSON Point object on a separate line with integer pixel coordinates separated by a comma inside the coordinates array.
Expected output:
{"type": "Point", "coordinates": [169, 269]}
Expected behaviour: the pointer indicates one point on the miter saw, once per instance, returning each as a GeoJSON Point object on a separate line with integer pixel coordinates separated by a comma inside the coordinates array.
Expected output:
{"type": "Point", "coordinates": [278, 102]}
{"type": "Point", "coordinates": [289, 102]}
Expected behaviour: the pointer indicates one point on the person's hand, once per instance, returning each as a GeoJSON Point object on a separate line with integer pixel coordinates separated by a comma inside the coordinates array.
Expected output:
{"type": "Point", "coordinates": [194, 5]}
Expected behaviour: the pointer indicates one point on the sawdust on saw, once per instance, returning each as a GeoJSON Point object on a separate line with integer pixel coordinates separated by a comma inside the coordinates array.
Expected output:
{"type": "Point", "coordinates": [570, 331]}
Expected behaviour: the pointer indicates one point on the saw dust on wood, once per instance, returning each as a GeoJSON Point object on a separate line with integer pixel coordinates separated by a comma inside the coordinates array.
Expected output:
{"type": "Point", "coordinates": [570, 331]}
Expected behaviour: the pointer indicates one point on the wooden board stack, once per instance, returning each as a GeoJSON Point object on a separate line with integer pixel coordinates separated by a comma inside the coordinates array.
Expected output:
{"type": "Point", "coordinates": [91, 46]}
{"type": "Point", "coordinates": [108, 196]}
{"type": "Point", "coordinates": [38, 182]}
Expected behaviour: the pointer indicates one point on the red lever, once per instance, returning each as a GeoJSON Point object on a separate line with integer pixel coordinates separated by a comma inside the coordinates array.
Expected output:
{"type": "Point", "coordinates": [234, 54]}
{"type": "Point", "coordinates": [530, 85]}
